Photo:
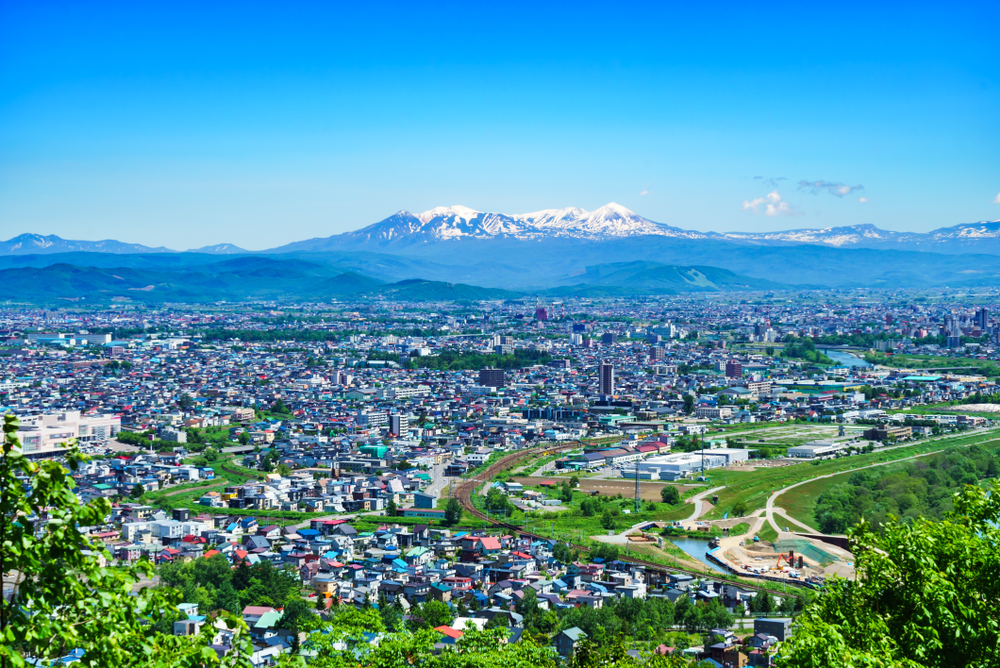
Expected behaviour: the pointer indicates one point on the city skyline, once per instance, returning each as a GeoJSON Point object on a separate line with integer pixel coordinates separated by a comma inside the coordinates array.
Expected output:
{"type": "Point", "coordinates": [198, 126]}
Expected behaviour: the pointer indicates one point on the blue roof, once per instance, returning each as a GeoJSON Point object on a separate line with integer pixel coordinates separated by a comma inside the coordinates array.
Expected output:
{"type": "Point", "coordinates": [308, 532]}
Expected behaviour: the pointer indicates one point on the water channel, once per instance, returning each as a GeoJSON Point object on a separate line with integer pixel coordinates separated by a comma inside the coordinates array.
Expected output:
{"type": "Point", "coordinates": [697, 548]}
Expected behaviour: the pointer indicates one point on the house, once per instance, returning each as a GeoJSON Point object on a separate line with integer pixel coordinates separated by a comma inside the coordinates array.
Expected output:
{"type": "Point", "coordinates": [567, 641]}
{"type": "Point", "coordinates": [778, 628]}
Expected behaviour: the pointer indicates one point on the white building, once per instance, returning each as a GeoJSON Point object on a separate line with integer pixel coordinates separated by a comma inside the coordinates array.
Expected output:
{"type": "Point", "coordinates": [51, 433]}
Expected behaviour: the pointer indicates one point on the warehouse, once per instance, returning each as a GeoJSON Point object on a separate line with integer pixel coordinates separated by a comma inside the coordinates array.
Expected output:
{"type": "Point", "coordinates": [815, 449]}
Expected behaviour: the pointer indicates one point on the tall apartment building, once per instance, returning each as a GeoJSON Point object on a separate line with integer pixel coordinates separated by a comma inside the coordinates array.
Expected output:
{"type": "Point", "coordinates": [399, 424]}
{"type": "Point", "coordinates": [609, 338]}
{"type": "Point", "coordinates": [492, 377]}
{"type": "Point", "coordinates": [733, 369]}
{"type": "Point", "coordinates": [657, 353]}
{"type": "Point", "coordinates": [606, 372]}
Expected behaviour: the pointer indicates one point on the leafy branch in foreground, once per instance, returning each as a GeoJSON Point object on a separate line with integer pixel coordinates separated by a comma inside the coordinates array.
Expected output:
{"type": "Point", "coordinates": [927, 593]}
{"type": "Point", "coordinates": [63, 598]}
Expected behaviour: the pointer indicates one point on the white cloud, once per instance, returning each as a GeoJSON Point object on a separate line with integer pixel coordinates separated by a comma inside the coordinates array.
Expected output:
{"type": "Point", "coordinates": [772, 205]}
{"type": "Point", "coordinates": [996, 200]}
{"type": "Point", "coordinates": [862, 199]}
{"type": "Point", "coordinates": [645, 191]}
{"type": "Point", "coordinates": [835, 189]}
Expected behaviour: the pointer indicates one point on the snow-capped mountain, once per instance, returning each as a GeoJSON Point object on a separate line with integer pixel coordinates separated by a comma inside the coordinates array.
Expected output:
{"type": "Point", "coordinates": [37, 244]}
{"type": "Point", "coordinates": [453, 223]}
{"type": "Point", "coordinates": [615, 222]}
{"type": "Point", "coordinates": [983, 237]}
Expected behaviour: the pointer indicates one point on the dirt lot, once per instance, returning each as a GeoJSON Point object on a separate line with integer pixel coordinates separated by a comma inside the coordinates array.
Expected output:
{"type": "Point", "coordinates": [650, 491]}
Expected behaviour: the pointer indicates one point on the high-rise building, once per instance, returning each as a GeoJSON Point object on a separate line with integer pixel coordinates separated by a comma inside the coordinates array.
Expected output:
{"type": "Point", "coordinates": [733, 369]}
{"type": "Point", "coordinates": [399, 424]}
{"type": "Point", "coordinates": [609, 338]}
{"type": "Point", "coordinates": [492, 377]}
{"type": "Point", "coordinates": [606, 372]}
{"type": "Point", "coordinates": [657, 353]}
{"type": "Point", "coordinates": [982, 319]}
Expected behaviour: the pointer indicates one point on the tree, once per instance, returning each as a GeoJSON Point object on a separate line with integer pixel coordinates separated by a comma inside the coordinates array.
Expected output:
{"type": "Point", "coordinates": [61, 598]}
{"type": "Point", "coordinates": [452, 512]}
{"type": "Point", "coordinates": [608, 520]}
{"type": "Point", "coordinates": [284, 470]}
{"type": "Point", "coordinates": [574, 481]}
{"type": "Point", "coordinates": [670, 495]}
{"type": "Point", "coordinates": [925, 594]}
{"type": "Point", "coordinates": [431, 614]}
{"type": "Point", "coordinates": [688, 404]}
{"type": "Point", "coordinates": [137, 491]}
{"type": "Point", "coordinates": [391, 510]}
{"type": "Point", "coordinates": [497, 501]}
{"type": "Point", "coordinates": [297, 616]}
{"type": "Point", "coordinates": [739, 509]}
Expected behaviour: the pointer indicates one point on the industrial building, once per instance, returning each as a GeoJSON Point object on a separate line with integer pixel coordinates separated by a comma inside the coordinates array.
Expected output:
{"type": "Point", "coordinates": [815, 449]}
{"type": "Point", "coordinates": [684, 464]}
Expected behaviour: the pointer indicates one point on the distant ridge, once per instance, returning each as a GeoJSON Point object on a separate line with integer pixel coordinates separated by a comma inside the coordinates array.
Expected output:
{"type": "Point", "coordinates": [34, 244]}
{"type": "Point", "coordinates": [405, 232]}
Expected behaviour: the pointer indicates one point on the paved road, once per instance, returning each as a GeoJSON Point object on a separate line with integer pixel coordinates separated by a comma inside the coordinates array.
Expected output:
{"type": "Point", "coordinates": [697, 499]}
{"type": "Point", "coordinates": [438, 481]}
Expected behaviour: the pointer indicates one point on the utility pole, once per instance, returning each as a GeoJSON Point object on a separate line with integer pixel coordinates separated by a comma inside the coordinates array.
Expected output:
{"type": "Point", "coordinates": [638, 499]}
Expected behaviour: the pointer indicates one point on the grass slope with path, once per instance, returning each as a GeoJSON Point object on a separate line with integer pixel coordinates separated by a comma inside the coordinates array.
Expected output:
{"type": "Point", "coordinates": [754, 487]}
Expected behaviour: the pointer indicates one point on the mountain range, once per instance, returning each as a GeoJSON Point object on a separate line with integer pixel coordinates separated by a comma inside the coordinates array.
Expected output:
{"type": "Point", "coordinates": [454, 250]}
{"type": "Point", "coordinates": [609, 222]}
{"type": "Point", "coordinates": [284, 278]}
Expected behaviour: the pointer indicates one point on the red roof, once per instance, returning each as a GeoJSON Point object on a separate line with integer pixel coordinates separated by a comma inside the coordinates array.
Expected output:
{"type": "Point", "coordinates": [491, 543]}
{"type": "Point", "coordinates": [448, 631]}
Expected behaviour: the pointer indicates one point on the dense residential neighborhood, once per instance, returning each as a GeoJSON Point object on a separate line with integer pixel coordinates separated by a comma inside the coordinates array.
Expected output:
{"type": "Point", "coordinates": [329, 446]}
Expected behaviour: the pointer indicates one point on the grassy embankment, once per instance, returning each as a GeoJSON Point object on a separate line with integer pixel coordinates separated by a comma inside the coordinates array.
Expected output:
{"type": "Point", "coordinates": [754, 487]}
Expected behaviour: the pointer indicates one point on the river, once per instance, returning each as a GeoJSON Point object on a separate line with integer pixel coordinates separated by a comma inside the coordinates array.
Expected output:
{"type": "Point", "coordinates": [697, 548]}
{"type": "Point", "coordinates": [844, 358]}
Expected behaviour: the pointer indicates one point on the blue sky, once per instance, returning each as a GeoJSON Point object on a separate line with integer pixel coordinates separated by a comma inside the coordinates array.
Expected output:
{"type": "Point", "coordinates": [264, 123]}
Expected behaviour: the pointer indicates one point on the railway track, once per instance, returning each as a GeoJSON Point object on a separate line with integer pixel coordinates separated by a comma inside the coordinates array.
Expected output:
{"type": "Point", "coordinates": [464, 491]}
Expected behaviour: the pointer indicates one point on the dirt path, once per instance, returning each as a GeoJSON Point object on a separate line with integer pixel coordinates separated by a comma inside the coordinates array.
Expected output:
{"type": "Point", "coordinates": [193, 489]}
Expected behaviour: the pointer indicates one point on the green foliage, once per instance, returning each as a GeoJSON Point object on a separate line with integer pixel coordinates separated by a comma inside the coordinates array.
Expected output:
{"type": "Point", "coordinates": [804, 349]}
{"type": "Point", "coordinates": [62, 598]}
{"type": "Point", "coordinates": [454, 359]}
{"type": "Point", "coordinates": [497, 502]}
{"type": "Point", "coordinates": [488, 649]}
{"type": "Point", "coordinates": [214, 585]}
{"type": "Point", "coordinates": [431, 614]}
{"type": "Point", "coordinates": [452, 512]}
{"type": "Point", "coordinates": [925, 595]}
{"type": "Point", "coordinates": [137, 491]}
{"type": "Point", "coordinates": [670, 495]}
{"type": "Point", "coordinates": [739, 509]}
{"type": "Point", "coordinates": [922, 488]}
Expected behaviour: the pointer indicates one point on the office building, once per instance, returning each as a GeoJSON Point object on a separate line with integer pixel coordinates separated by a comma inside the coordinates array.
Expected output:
{"type": "Point", "coordinates": [609, 338]}
{"type": "Point", "coordinates": [733, 369]}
